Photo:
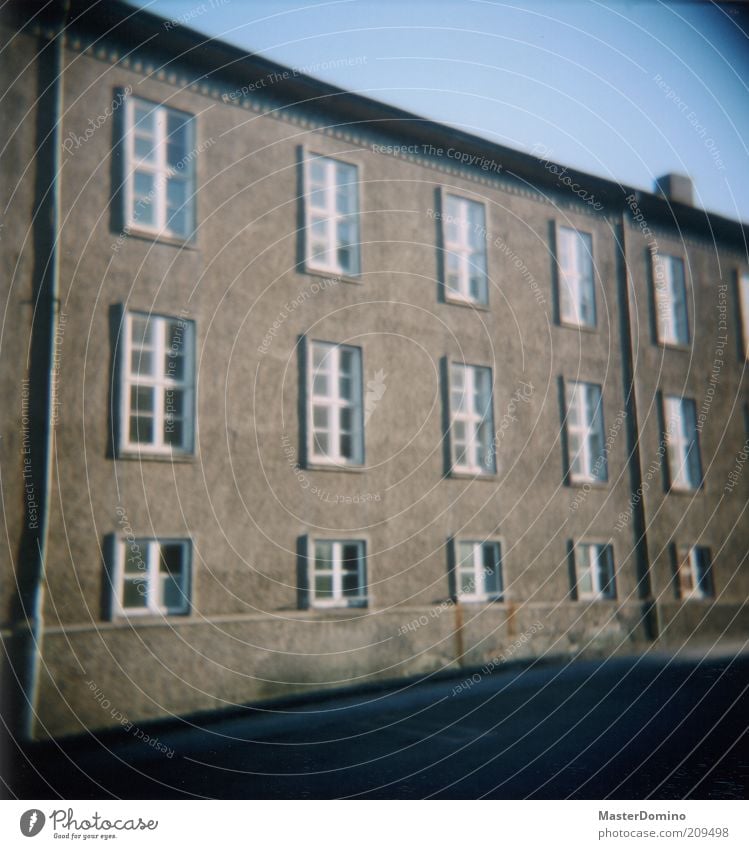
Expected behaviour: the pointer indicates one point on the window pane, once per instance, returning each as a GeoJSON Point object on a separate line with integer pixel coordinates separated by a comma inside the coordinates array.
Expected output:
{"type": "Point", "coordinates": [134, 593]}
{"type": "Point", "coordinates": [345, 387]}
{"type": "Point", "coordinates": [144, 115]}
{"type": "Point", "coordinates": [141, 362]}
{"type": "Point", "coordinates": [141, 331]}
{"type": "Point", "coordinates": [173, 596]}
{"type": "Point", "coordinates": [324, 586]}
{"type": "Point", "coordinates": [135, 557]}
{"type": "Point", "coordinates": [324, 555]}
{"type": "Point", "coordinates": [145, 148]}
{"type": "Point", "coordinates": [171, 558]}
{"type": "Point", "coordinates": [321, 443]}
{"type": "Point", "coordinates": [320, 417]}
{"type": "Point", "coordinates": [346, 419]}
{"type": "Point", "coordinates": [174, 432]}
{"type": "Point", "coordinates": [141, 399]}
{"type": "Point", "coordinates": [321, 357]}
{"type": "Point", "coordinates": [491, 565]}
{"type": "Point", "coordinates": [141, 429]}
{"type": "Point", "coordinates": [347, 446]}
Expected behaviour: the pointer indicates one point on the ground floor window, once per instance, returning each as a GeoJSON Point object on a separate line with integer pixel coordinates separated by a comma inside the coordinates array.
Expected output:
{"type": "Point", "coordinates": [152, 576]}
{"type": "Point", "coordinates": [338, 573]}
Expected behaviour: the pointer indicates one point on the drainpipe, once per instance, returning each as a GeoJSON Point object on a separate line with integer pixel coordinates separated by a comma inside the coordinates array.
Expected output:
{"type": "Point", "coordinates": [649, 616]}
{"type": "Point", "coordinates": [34, 603]}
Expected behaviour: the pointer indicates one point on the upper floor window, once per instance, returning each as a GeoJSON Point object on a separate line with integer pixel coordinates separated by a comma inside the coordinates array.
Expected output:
{"type": "Point", "coordinates": [594, 571]}
{"type": "Point", "coordinates": [338, 573]}
{"type": "Point", "coordinates": [694, 571]}
{"type": "Point", "coordinates": [586, 456]}
{"type": "Point", "coordinates": [744, 305]}
{"type": "Point", "coordinates": [157, 384]}
{"type": "Point", "coordinates": [670, 300]}
{"type": "Point", "coordinates": [478, 567]}
{"type": "Point", "coordinates": [151, 576]}
{"type": "Point", "coordinates": [332, 216]}
{"type": "Point", "coordinates": [577, 296]}
{"type": "Point", "coordinates": [464, 233]}
{"type": "Point", "coordinates": [684, 464]}
{"type": "Point", "coordinates": [159, 169]}
{"type": "Point", "coordinates": [334, 408]}
{"type": "Point", "coordinates": [471, 419]}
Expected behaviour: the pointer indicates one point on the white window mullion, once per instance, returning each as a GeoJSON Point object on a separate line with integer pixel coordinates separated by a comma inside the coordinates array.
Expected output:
{"type": "Point", "coordinates": [337, 571]}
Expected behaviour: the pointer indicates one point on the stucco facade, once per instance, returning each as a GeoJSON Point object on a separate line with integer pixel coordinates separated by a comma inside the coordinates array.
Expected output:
{"type": "Point", "coordinates": [247, 497]}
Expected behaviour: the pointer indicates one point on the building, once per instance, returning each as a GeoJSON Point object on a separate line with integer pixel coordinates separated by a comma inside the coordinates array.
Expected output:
{"type": "Point", "coordinates": [305, 391]}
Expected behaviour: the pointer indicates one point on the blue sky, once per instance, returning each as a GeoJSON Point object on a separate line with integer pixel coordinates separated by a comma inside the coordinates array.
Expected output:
{"type": "Point", "coordinates": [626, 89]}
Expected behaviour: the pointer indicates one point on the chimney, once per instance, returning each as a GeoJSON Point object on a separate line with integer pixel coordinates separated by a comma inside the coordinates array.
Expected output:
{"type": "Point", "coordinates": [675, 187]}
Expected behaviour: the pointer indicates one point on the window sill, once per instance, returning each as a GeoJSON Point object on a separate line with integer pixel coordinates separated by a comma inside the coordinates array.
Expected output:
{"type": "Point", "coordinates": [472, 476]}
{"type": "Point", "coordinates": [585, 328]}
{"type": "Point", "coordinates": [317, 466]}
{"type": "Point", "coordinates": [161, 238]}
{"type": "Point", "coordinates": [683, 490]}
{"type": "Point", "coordinates": [578, 483]}
{"type": "Point", "coordinates": [451, 300]}
{"type": "Point", "coordinates": [483, 600]}
{"type": "Point", "coordinates": [339, 608]}
{"type": "Point", "coordinates": [131, 454]}
{"type": "Point", "coordinates": [682, 347]}
{"type": "Point", "coordinates": [149, 616]}
{"type": "Point", "coordinates": [327, 274]}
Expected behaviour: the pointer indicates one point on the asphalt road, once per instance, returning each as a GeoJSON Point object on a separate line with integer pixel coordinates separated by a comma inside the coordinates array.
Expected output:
{"type": "Point", "coordinates": [627, 728]}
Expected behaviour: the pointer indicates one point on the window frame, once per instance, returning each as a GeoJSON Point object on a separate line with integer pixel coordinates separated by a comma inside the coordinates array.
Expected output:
{"type": "Point", "coordinates": [357, 407]}
{"type": "Point", "coordinates": [676, 480]}
{"type": "Point", "coordinates": [564, 320]}
{"type": "Point", "coordinates": [160, 383]}
{"type": "Point", "coordinates": [463, 296]}
{"type": "Point", "coordinates": [339, 600]}
{"type": "Point", "coordinates": [470, 469]}
{"type": "Point", "coordinates": [315, 266]}
{"type": "Point", "coordinates": [597, 591]}
{"type": "Point", "coordinates": [160, 171]}
{"type": "Point", "coordinates": [589, 460]}
{"type": "Point", "coordinates": [667, 336]}
{"type": "Point", "coordinates": [152, 577]}
{"type": "Point", "coordinates": [684, 553]}
{"type": "Point", "coordinates": [481, 595]}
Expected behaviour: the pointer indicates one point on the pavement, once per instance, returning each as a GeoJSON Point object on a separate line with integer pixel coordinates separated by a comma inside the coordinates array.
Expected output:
{"type": "Point", "coordinates": [655, 726]}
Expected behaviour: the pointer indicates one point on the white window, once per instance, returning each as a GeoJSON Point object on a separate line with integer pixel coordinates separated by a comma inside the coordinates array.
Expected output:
{"type": "Point", "coordinates": [152, 576]}
{"type": "Point", "coordinates": [684, 465]}
{"type": "Point", "coordinates": [159, 169]}
{"type": "Point", "coordinates": [586, 456]}
{"type": "Point", "coordinates": [594, 571]}
{"type": "Point", "coordinates": [338, 574]}
{"type": "Point", "coordinates": [478, 570]}
{"type": "Point", "coordinates": [694, 570]}
{"type": "Point", "coordinates": [157, 385]}
{"type": "Point", "coordinates": [464, 229]}
{"type": "Point", "coordinates": [335, 423]}
{"type": "Point", "coordinates": [744, 303]}
{"type": "Point", "coordinates": [670, 300]}
{"type": "Point", "coordinates": [332, 215]}
{"type": "Point", "coordinates": [577, 296]}
{"type": "Point", "coordinates": [471, 419]}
